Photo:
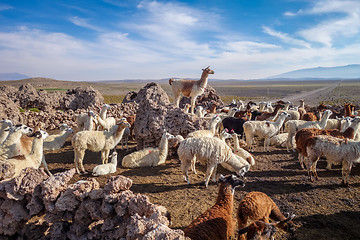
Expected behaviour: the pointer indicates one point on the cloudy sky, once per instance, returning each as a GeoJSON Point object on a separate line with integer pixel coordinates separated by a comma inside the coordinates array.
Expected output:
{"type": "Point", "coordinates": [131, 39]}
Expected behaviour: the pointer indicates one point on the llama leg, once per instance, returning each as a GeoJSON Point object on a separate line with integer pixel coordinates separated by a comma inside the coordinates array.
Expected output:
{"type": "Point", "coordinates": [266, 145]}
{"type": "Point", "coordinates": [209, 172]}
{"type": "Point", "coordinates": [345, 172]}
{"type": "Point", "coordinates": [301, 160]}
{"type": "Point", "coordinates": [314, 169]}
{"type": "Point", "coordinates": [249, 142]}
{"type": "Point", "coordinates": [292, 143]}
{"type": "Point", "coordinates": [193, 100]}
{"type": "Point", "coordinates": [107, 152]}
{"type": "Point", "coordinates": [76, 161]}
{"type": "Point", "coordinates": [81, 155]}
{"type": "Point", "coordinates": [193, 163]}
{"type": "Point", "coordinates": [176, 99]}
{"type": "Point", "coordinates": [45, 165]}
{"type": "Point", "coordinates": [104, 156]}
{"type": "Point", "coordinates": [287, 144]}
{"type": "Point", "coordinates": [308, 167]}
{"type": "Point", "coordinates": [184, 168]}
{"type": "Point", "coordinates": [328, 165]}
{"type": "Point", "coordinates": [214, 174]}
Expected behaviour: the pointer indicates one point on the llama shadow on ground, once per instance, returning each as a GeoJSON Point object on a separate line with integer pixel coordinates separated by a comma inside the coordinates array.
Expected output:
{"type": "Point", "coordinates": [342, 225]}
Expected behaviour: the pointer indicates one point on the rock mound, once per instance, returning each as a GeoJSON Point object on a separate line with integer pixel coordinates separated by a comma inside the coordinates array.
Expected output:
{"type": "Point", "coordinates": [205, 100]}
{"type": "Point", "coordinates": [82, 98]}
{"type": "Point", "coordinates": [156, 114]}
{"type": "Point", "coordinates": [81, 210]}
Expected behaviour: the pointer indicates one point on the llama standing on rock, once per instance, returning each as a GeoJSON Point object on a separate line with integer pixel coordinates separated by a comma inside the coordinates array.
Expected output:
{"type": "Point", "coordinates": [217, 222]}
{"type": "Point", "coordinates": [148, 157]}
{"type": "Point", "coordinates": [190, 88]}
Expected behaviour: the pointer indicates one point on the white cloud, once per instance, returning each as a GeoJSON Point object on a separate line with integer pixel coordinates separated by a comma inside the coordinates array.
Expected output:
{"type": "Point", "coordinates": [333, 28]}
{"type": "Point", "coordinates": [81, 22]}
{"type": "Point", "coordinates": [285, 37]}
{"type": "Point", "coordinates": [5, 7]}
{"type": "Point", "coordinates": [162, 40]}
{"type": "Point", "coordinates": [292, 14]}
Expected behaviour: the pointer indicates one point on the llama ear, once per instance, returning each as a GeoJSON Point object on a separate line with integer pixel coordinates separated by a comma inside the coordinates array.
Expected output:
{"type": "Point", "coordinates": [221, 178]}
{"type": "Point", "coordinates": [243, 230]}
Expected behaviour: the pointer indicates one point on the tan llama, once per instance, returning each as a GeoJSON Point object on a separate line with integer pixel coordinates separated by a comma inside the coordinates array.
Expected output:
{"type": "Point", "coordinates": [190, 88]}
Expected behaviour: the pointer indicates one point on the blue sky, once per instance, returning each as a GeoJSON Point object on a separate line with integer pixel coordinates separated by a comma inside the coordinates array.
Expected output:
{"type": "Point", "coordinates": [131, 39]}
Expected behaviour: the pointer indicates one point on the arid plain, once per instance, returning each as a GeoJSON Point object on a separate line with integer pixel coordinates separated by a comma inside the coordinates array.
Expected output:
{"type": "Point", "coordinates": [324, 209]}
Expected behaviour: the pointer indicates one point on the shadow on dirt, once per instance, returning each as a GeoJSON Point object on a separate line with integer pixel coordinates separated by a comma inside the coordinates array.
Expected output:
{"type": "Point", "coordinates": [342, 225]}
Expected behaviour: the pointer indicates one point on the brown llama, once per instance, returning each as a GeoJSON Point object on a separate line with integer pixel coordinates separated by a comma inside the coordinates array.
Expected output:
{"type": "Point", "coordinates": [217, 223]}
{"type": "Point", "coordinates": [190, 88]}
{"type": "Point", "coordinates": [257, 206]}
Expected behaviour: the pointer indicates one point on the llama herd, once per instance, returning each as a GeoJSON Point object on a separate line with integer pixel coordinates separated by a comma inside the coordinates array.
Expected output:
{"type": "Point", "coordinates": [313, 134]}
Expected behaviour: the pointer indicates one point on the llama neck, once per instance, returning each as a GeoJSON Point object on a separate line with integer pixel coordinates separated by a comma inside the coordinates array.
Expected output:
{"type": "Point", "coordinates": [163, 148]}
{"type": "Point", "coordinates": [118, 135]}
{"type": "Point", "coordinates": [12, 138]}
{"type": "Point", "coordinates": [213, 126]}
{"type": "Point", "coordinates": [203, 80]}
{"type": "Point", "coordinates": [3, 136]}
{"type": "Point", "coordinates": [101, 120]}
{"type": "Point", "coordinates": [302, 105]}
{"type": "Point", "coordinates": [225, 198]}
{"type": "Point", "coordinates": [323, 120]}
{"type": "Point", "coordinates": [280, 121]}
{"type": "Point", "coordinates": [91, 124]}
{"type": "Point", "coordinates": [37, 149]}
{"type": "Point", "coordinates": [352, 130]}
{"type": "Point", "coordinates": [103, 113]}
{"type": "Point", "coordinates": [236, 142]}
{"type": "Point", "coordinates": [276, 110]}
{"type": "Point", "coordinates": [114, 160]}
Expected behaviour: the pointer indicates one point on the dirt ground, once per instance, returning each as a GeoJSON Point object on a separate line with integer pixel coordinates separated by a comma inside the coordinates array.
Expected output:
{"type": "Point", "coordinates": [324, 209]}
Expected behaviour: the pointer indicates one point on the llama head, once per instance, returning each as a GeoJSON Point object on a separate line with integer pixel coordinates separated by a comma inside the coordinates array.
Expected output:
{"type": "Point", "coordinates": [259, 230]}
{"type": "Point", "coordinates": [208, 70]}
{"type": "Point", "coordinates": [231, 180]}
{"type": "Point", "coordinates": [39, 134]}
{"type": "Point", "coordinates": [23, 128]}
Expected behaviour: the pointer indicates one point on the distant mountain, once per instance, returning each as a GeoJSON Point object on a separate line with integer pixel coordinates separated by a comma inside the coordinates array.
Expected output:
{"type": "Point", "coordinates": [12, 76]}
{"type": "Point", "coordinates": [340, 72]}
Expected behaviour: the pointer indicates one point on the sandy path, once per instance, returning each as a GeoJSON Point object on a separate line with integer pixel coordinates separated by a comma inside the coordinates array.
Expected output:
{"type": "Point", "coordinates": [312, 97]}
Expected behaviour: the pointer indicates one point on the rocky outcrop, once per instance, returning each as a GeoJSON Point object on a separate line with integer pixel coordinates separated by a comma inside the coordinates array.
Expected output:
{"type": "Point", "coordinates": [81, 98]}
{"type": "Point", "coordinates": [8, 109]}
{"type": "Point", "coordinates": [156, 114]}
{"type": "Point", "coordinates": [81, 210]}
{"type": "Point", "coordinates": [205, 100]}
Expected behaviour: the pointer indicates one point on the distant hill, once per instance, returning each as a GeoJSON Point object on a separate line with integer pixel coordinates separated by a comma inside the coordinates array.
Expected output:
{"type": "Point", "coordinates": [12, 76]}
{"type": "Point", "coordinates": [340, 72]}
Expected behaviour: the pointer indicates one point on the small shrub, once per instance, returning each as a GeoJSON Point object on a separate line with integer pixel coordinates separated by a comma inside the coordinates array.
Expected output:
{"type": "Point", "coordinates": [34, 110]}
{"type": "Point", "coordinates": [21, 110]}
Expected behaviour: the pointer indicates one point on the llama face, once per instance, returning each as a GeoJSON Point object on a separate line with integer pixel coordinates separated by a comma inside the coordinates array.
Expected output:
{"type": "Point", "coordinates": [208, 70]}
